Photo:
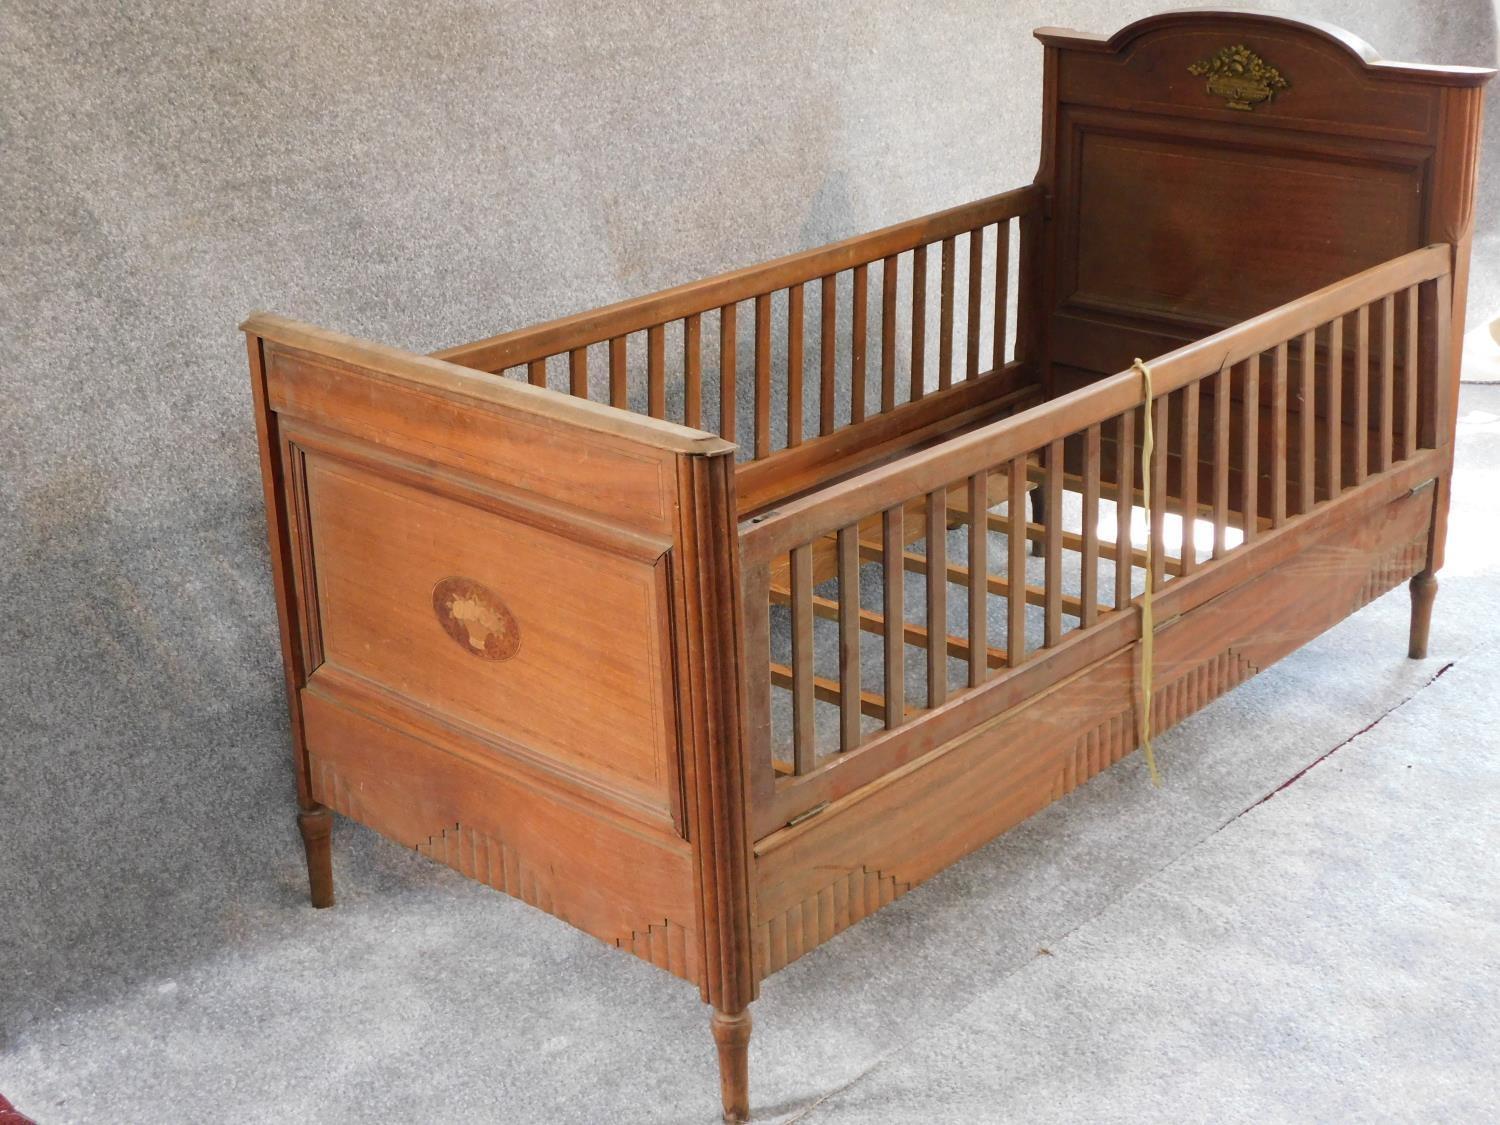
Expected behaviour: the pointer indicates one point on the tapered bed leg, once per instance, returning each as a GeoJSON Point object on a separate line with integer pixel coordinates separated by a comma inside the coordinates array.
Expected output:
{"type": "Point", "coordinates": [732, 1035]}
{"type": "Point", "coordinates": [316, 824]}
{"type": "Point", "coordinates": [1423, 590]}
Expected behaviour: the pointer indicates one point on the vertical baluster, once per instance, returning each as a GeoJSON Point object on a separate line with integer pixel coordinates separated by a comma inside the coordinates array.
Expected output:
{"type": "Point", "coordinates": [794, 314]}
{"type": "Point", "coordinates": [536, 373]}
{"type": "Point", "coordinates": [827, 344]}
{"type": "Point", "coordinates": [979, 577]}
{"type": "Point", "coordinates": [945, 318]}
{"type": "Point", "coordinates": [937, 597]}
{"type": "Point", "coordinates": [1158, 529]}
{"type": "Point", "coordinates": [692, 371]}
{"type": "Point", "coordinates": [656, 375]}
{"type": "Point", "coordinates": [893, 548]}
{"type": "Point", "coordinates": [619, 385]}
{"type": "Point", "coordinates": [578, 373]}
{"type": "Point", "coordinates": [888, 285]}
{"type": "Point", "coordinates": [1334, 413]}
{"type": "Point", "coordinates": [1015, 567]}
{"type": "Point", "coordinates": [918, 322]}
{"type": "Point", "coordinates": [1124, 504]}
{"type": "Point", "coordinates": [1250, 446]}
{"type": "Point", "coordinates": [1052, 545]}
{"type": "Point", "coordinates": [976, 294]}
{"type": "Point", "coordinates": [1308, 417]}
{"type": "Point", "coordinates": [1223, 399]}
{"type": "Point", "coordinates": [1191, 458]}
{"type": "Point", "coordinates": [1361, 394]}
{"type": "Point", "coordinates": [849, 677]}
{"type": "Point", "coordinates": [1386, 450]}
{"type": "Point", "coordinates": [1409, 370]}
{"type": "Point", "coordinates": [762, 435]}
{"type": "Point", "coordinates": [1002, 292]}
{"type": "Point", "coordinates": [804, 746]}
{"type": "Point", "coordinates": [1278, 437]}
{"type": "Point", "coordinates": [1089, 585]}
{"type": "Point", "coordinates": [859, 335]}
{"type": "Point", "coordinates": [728, 357]}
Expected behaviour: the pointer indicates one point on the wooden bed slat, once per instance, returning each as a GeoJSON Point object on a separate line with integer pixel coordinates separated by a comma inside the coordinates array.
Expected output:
{"type": "Point", "coordinates": [1002, 294]}
{"type": "Point", "coordinates": [1125, 457]}
{"type": "Point", "coordinates": [536, 373]}
{"type": "Point", "coordinates": [1052, 545]}
{"type": "Point", "coordinates": [1409, 378]}
{"type": "Point", "coordinates": [1385, 451]}
{"type": "Point", "coordinates": [656, 373]}
{"type": "Point", "coordinates": [894, 583]}
{"type": "Point", "coordinates": [849, 626]}
{"type": "Point", "coordinates": [1307, 416]}
{"type": "Point", "coordinates": [762, 434]}
{"type": "Point", "coordinates": [976, 296]}
{"type": "Point", "coordinates": [1362, 394]}
{"type": "Point", "coordinates": [1160, 421]}
{"type": "Point", "coordinates": [619, 384]}
{"type": "Point", "coordinates": [728, 357]}
{"type": "Point", "coordinates": [1088, 592]}
{"type": "Point", "coordinates": [859, 332]}
{"type": "Point", "coordinates": [918, 322]}
{"type": "Point", "coordinates": [937, 597]}
{"type": "Point", "coordinates": [1192, 450]}
{"type": "Point", "coordinates": [1333, 415]}
{"type": "Point", "coordinates": [1250, 445]}
{"type": "Point", "coordinates": [890, 282]}
{"type": "Point", "coordinates": [827, 349]}
{"type": "Point", "coordinates": [1015, 573]}
{"type": "Point", "coordinates": [874, 623]}
{"type": "Point", "coordinates": [1278, 436]}
{"type": "Point", "coordinates": [1223, 389]}
{"type": "Point", "coordinates": [945, 317]}
{"type": "Point", "coordinates": [578, 373]}
{"type": "Point", "coordinates": [979, 553]}
{"type": "Point", "coordinates": [794, 360]}
{"type": "Point", "coordinates": [804, 744]}
{"type": "Point", "coordinates": [825, 690]}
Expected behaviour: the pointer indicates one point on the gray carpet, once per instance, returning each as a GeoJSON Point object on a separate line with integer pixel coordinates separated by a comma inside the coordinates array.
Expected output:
{"type": "Point", "coordinates": [431, 174]}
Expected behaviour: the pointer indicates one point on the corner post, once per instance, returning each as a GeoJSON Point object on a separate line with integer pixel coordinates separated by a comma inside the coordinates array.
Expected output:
{"type": "Point", "coordinates": [711, 693]}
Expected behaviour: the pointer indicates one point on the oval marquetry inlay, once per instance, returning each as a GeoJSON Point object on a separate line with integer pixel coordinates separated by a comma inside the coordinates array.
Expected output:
{"type": "Point", "coordinates": [475, 617]}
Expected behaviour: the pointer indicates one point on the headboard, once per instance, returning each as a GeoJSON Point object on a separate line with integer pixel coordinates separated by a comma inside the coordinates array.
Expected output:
{"type": "Point", "coordinates": [1201, 167]}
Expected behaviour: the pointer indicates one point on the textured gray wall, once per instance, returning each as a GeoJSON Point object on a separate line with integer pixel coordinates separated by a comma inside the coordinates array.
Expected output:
{"type": "Point", "coordinates": [419, 175]}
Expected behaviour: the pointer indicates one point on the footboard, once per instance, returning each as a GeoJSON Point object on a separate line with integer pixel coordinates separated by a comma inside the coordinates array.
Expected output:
{"type": "Point", "coordinates": [905, 706]}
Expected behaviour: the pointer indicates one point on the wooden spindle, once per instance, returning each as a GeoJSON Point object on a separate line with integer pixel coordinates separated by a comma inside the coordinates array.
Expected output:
{"type": "Point", "coordinates": [762, 434]}
{"type": "Point", "coordinates": [804, 744]}
{"type": "Point", "coordinates": [945, 318]}
{"type": "Point", "coordinates": [578, 372]}
{"type": "Point", "coordinates": [1385, 451]}
{"type": "Point", "coordinates": [692, 371]}
{"type": "Point", "coordinates": [1124, 504]}
{"type": "Point", "coordinates": [859, 334]}
{"type": "Point", "coordinates": [1190, 461]}
{"type": "Point", "coordinates": [1361, 394]}
{"type": "Point", "coordinates": [794, 315]}
{"type": "Point", "coordinates": [1015, 567]}
{"type": "Point", "coordinates": [976, 295]}
{"type": "Point", "coordinates": [1223, 399]}
{"type": "Point", "coordinates": [894, 570]}
{"type": "Point", "coordinates": [619, 380]}
{"type": "Point", "coordinates": [979, 568]}
{"type": "Point", "coordinates": [937, 597]}
{"type": "Point", "coordinates": [1088, 590]}
{"type": "Point", "coordinates": [849, 670]}
{"type": "Point", "coordinates": [827, 350]}
{"type": "Point", "coordinates": [536, 373]}
{"type": "Point", "coordinates": [1307, 449]}
{"type": "Point", "coordinates": [918, 322]}
{"type": "Point", "coordinates": [1250, 445]}
{"type": "Point", "coordinates": [1278, 437]}
{"type": "Point", "coordinates": [1410, 366]}
{"type": "Point", "coordinates": [1002, 293]}
{"type": "Point", "coordinates": [1158, 527]}
{"type": "Point", "coordinates": [656, 371]}
{"type": "Point", "coordinates": [1052, 545]}
{"type": "Point", "coordinates": [1334, 414]}
{"type": "Point", "coordinates": [728, 358]}
{"type": "Point", "coordinates": [889, 283]}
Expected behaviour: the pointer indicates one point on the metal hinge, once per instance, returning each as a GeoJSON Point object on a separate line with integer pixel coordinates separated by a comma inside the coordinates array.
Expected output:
{"type": "Point", "coordinates": [808, 815]}
{"type": "Point", "coordinates": [1426, 484]}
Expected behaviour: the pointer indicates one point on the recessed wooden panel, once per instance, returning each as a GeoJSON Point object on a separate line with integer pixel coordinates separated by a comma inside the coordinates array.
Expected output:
{"type": "Point", "coordinates": [421, 593]}
{"type": "Point", "coordinates": [1214, 234]}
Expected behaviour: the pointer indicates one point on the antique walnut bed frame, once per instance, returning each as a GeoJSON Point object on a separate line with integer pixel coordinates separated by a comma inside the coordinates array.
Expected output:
{"type": "Point", "coordinates": [620, 667]}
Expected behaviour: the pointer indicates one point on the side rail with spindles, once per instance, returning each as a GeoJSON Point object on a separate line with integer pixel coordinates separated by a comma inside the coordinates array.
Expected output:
{"type": "Point", "coordinates": [860, 664]}
{"type": "Point", "coordinates": [830, 338]}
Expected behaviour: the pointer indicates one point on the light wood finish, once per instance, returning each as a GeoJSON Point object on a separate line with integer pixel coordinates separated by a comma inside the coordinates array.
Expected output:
{"type": "Point", "coordinates": [529, 635]}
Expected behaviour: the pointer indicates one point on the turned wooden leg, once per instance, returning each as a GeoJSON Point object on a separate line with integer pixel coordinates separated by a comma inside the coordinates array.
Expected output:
{"type": "Point", "coordinates": [1423, 590]}
{"type": "Point", "coordinates": [316, 824]}
{"type": "Point", "coordinates": [732, 1034]}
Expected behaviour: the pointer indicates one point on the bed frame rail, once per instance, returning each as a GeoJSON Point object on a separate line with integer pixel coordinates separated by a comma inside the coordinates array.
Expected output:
{"type": "Point", "coordinates": [940, 335]}
{"type": "Point", "coordinates": [1258, 427]}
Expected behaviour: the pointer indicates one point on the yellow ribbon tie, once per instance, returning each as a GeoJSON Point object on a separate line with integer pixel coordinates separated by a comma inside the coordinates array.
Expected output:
{"type": "Point", "coordinates": [1148, 626]}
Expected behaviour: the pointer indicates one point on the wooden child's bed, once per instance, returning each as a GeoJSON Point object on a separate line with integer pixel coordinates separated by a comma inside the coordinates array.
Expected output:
{"type": "Point", "coordinates": [577, 609]}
